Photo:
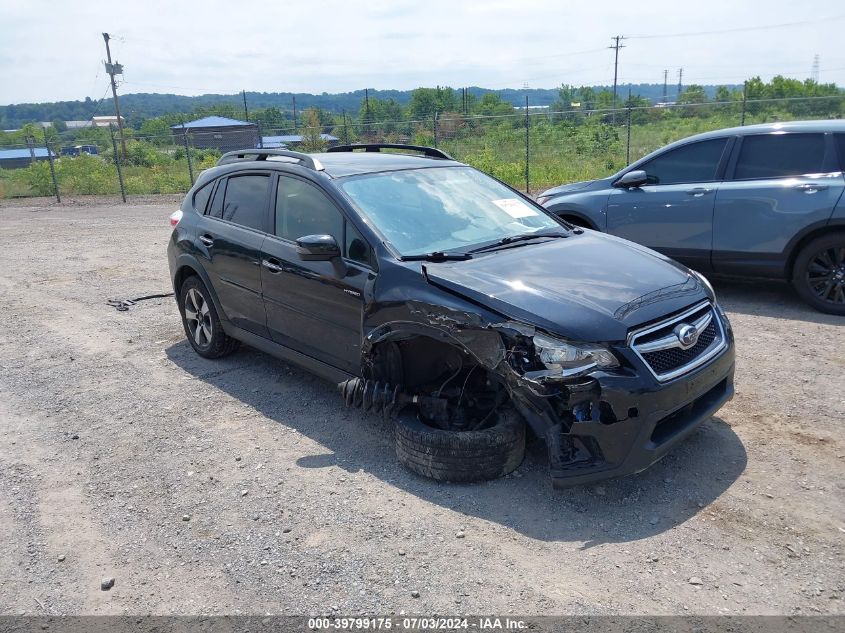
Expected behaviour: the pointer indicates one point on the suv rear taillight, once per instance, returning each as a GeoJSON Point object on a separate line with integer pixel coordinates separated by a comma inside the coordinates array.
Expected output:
{"type": "Point", "coordinates": [175, 217]}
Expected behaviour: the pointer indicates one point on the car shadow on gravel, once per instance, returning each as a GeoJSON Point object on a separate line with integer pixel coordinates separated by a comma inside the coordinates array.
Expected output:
{"type": "Point", "coordinates": [769, 298]}
{"type": "Point", "coordinates": [668, 494]}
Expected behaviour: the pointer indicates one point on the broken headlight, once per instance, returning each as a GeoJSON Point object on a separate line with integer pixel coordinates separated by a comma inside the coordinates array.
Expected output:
{"type": "Point", "coordinates": [572, 358]}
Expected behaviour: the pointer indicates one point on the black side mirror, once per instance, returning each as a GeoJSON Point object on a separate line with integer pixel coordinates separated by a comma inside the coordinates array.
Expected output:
{"type": "Point", "coordinates": [317, 248]}
{"type": "Point", "coordinates": [632, 179]}
{"type": "Point", "coordinates": [321, 248]}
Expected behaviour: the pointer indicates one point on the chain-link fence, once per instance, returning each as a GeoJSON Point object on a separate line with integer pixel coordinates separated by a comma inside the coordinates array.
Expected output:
{"type": "Point", "coordinates": [530, 149]}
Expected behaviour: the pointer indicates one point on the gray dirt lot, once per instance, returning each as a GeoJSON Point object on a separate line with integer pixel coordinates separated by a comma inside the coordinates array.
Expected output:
{"type": "Point", "coordinates": [113, 429]}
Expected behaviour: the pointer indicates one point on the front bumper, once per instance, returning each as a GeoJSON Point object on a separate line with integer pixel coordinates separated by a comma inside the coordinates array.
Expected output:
{"type": "Point", "coordinates": [650, 419]}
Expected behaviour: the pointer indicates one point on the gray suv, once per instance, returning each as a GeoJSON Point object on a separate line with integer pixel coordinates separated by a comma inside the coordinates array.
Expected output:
{"type": "Point", "coordinates": [756, 201]}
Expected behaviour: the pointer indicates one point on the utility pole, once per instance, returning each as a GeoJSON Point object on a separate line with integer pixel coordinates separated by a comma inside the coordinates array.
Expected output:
{"type": "Point", "coordinates": [112, 70]}
{"type": "Point", "coordinates": [814, 73]}
{"type": "Point", "coordinates": [680, 82]}
{"type": "Point", "coordinates": [294, 114]}
{"type": "Point", "coordinates": [616, 46]}
{"type": "Point", "coordinates": [366, 109]}
{"type": "Point", "coordinates": [246, 112]}
{"type": "Point", "coordinates": [665, 86]}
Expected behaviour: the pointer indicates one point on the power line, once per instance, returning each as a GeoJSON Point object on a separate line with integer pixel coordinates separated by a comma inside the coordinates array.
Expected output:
{"type": "Point", "coordinates": [739, 30]}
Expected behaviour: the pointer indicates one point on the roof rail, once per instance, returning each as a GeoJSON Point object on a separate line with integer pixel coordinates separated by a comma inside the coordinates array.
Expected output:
{"type": "Point", "coordinates": [265, 154]}
{"type": "Point", "coordinates": [430, 152]}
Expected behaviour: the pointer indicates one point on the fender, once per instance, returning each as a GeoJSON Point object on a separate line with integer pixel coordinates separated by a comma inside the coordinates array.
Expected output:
{"type": "Point", "coordinates": [805, 235]}
{"type": "Point", "coordinates": [188, 260]}
{"type": "Point", "coordinates": [564, 210]}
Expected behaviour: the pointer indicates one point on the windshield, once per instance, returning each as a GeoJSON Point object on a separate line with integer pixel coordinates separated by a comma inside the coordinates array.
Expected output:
{"type": "Point", "coordinates": [442, 209]}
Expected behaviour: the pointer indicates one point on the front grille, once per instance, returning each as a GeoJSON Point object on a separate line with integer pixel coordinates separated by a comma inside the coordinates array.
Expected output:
{"type": "Point", "coordinates": [660, 348]}
{"type": "Point", "coordinates": [667, 360]}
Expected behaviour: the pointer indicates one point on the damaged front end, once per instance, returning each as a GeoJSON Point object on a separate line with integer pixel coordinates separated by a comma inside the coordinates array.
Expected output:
{"type": "Point", "coordinates": [596, 413]}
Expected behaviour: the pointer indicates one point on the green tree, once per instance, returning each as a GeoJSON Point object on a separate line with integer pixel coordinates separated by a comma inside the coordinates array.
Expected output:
{"type": "Point", "coordinates": [492, 104]}
{"type": "Point", "coordinates": [311, 139]}
{"type": "Point", "coordinates": [426, 101]}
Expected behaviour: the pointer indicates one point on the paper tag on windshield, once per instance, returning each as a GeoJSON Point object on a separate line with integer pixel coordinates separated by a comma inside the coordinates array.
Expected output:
{"type": "Point", "coordinates": [514, 207]}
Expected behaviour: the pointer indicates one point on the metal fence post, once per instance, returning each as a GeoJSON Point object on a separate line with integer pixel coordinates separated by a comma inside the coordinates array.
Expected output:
{"type": "Point", "coordinates": [628, 142]}
{"type": "Point", "coordinates": [527, 128]}
{"type": "Point", "coordinates": [117, 163]}
{"type": "Point", "coordinates": [52, 168]}
{"type": "Point", "coordinates": [30, 143]}
{"type": "Point", "coordinates": [188, 154]}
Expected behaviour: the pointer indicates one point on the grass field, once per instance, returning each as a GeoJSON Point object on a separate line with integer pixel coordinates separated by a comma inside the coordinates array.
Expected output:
{"type": "Point", "coordinates": [560, 150]}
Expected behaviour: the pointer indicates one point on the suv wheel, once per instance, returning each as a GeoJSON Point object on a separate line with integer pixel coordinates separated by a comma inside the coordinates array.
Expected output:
{"type": "Point", "coordinates": [461, 456]}
{"type": "Point", "coordinates": [202, 325]}
{"type": "Point", "coordinates": [819, 273]}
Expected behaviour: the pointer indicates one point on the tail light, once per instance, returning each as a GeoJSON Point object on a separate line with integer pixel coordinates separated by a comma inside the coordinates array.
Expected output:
{"type": "Point", "coordinates": [175, 217]}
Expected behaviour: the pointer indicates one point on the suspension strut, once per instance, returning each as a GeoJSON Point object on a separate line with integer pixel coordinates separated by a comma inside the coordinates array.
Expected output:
{"type": "Point", "coordinates": [387, 399]}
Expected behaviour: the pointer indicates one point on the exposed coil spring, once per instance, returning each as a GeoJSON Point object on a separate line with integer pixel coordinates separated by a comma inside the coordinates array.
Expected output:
{"type": "Point", "coordinates": [372, 395]}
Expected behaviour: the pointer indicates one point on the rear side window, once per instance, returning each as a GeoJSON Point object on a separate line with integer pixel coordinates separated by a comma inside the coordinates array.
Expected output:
{"type": "Point", "coordinates": [201, 197]}
{"type": "Point", "coordinates": [779, 155]}
{"type": "Point", "coordinates": [840, 149]}
{"type": "Point", "coordinates": [302, 209]}
{"type": "Point", "coordinates": [245, 200]}
{"type": "Point", "coordinates": [696, 162]}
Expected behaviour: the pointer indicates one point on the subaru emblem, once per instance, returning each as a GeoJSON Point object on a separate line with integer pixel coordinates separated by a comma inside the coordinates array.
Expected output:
{"type": "Point", "coordinates": [687, 335]}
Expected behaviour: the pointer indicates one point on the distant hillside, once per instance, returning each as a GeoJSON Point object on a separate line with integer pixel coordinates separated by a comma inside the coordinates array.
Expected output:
{"type": "Point", "coordinates": [139, 106]}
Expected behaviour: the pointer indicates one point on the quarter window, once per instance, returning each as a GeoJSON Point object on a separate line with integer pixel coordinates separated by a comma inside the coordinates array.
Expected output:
{"type": "Point", "coordinates": [779, 155]}
{"type": "Point", "coordinates": [696, 162]}
{"type": "Point", "coordinates": [356, 247]}
{"type": "Point", "coordinates": [840, 149]}
{"type": "Point", "coordinates": [201, 197]}
{"type": "Point", "coordinates": [216, 208]}
{"type": "Point", "coordinates": [245, 200]}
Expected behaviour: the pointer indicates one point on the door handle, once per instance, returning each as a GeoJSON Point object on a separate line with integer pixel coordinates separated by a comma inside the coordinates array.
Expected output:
{"type": "Point", "coordinates": [271, 265]}
{"type": "Point", "coordinates": [809, 187]}
{"type": "Point", "coordinates": [699, 191]}
{"type": "Point", "coordinates": [207, 240]}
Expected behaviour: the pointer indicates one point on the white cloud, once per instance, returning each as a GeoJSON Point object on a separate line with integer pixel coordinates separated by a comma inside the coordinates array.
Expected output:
{"type": "Point", "coordinates": [53, 51]}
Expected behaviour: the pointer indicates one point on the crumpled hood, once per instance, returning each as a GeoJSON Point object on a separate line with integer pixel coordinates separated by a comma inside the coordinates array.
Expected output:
{"type": "Point", "coordinates": [589, 287]}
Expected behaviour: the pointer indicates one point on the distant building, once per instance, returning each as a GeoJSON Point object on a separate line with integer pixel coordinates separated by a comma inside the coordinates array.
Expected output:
{"type": "Point", "coordinates": [78, 150]}
{"type": "Point", "coordinates": [281, 142]}
{"type": "Point", "coordinates": [76, 125]}
{"type": "Point", "coordinates": [17, 158]}
{"type": "Point", "coordinates": [217, 132]}
{"type": "Point", "coordinates": [105, 121]}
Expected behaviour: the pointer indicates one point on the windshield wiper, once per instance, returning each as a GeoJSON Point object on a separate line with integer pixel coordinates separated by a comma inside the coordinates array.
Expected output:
{"type": "Point", "coordinates": [515, 238]}
{"type": "Point", "coordinates": [436, 256]}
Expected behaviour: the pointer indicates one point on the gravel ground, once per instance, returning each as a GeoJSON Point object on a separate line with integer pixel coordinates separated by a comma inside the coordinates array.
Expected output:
{"type": "Point", "coordinates": [244, 486]}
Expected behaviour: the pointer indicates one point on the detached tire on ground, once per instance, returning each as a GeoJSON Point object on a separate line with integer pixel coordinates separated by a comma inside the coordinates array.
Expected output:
{"type": "Point", "coordinates": [461, 456]}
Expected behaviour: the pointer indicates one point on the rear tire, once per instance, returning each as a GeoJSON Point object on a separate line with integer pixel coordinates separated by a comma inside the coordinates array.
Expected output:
{"type": "Point", "coordinates": [202, 325]}
{"type": "Point", "coordinates": [461, 456]}
{"type": "Point", "coordinates": [818, 275]}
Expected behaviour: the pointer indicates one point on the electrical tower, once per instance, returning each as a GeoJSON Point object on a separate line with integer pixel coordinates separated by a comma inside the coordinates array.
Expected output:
{"type": "Point", "coordinates": [112, 70]}
{"type": "Point", "coordinates": [616, 46]}
{"type": "Point", "coordinates": [680, 82]}
{"type": "Point", "coordinates": [665, 86]}
{"type": "Point", "coordinates": [814, 74]}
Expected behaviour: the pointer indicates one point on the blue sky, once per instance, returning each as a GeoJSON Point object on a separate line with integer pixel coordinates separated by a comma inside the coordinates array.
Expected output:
{"type": "Point", "coordinates": [54, 50]}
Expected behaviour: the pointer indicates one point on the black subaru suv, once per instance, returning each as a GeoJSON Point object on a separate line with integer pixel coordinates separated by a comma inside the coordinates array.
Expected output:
{"type": "Point", "coordinates": [453, 305]}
